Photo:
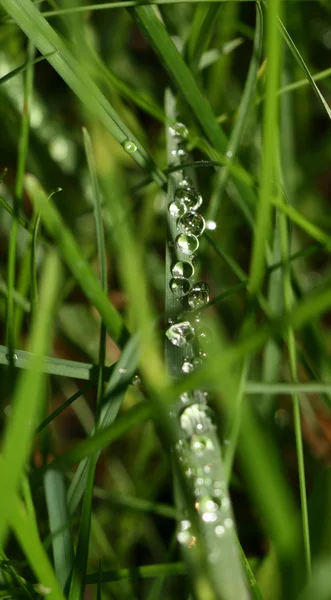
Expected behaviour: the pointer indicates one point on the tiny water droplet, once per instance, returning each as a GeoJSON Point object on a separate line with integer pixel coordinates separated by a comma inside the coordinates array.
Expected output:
{"type": "Point", "coordinates": [228, 523]}
{"type": "Point", "coordinates": [129, 146]}
{"type": "Point", "coordinates": [187, 367]}
{"type": "Point", "coordinates": [189, 197]}
{"type": "Point", "coordinates": [180, 334]}
{"type": "Point", "coordinates": [184, 535]}
{"type": "Point", "coordinates": [229, 154]}
{"type": "Point", "coordinates": [10, 357]}
{"type": "Point", "coordinates": [185, 398]}
{"type": "Point", "coordinates": [219, 530]}
{"type": "Point", "coordinates": [122, 370]}
{"type": "Point", "coordinates": [191, 222]}
{"type": "Point", "coordinates": [136, 380]}
{"type": "Point", "coordinates": [182, 268]}
{"type": "Point", "coordinates": [186, 183]}
{"type": "Point", "coordinates": [282, 418]}
{"type": "Point", "coordinates": [176, 209]}
{"type": "Point", "coordinates": [180, 287]}
{"type": "Point", "coordinates": [179, 130]}
{"type": "Point", "coordinates": [197, 419]}
{"type": "Point", "coordinates": [201, 444]}
{"type": "Point", "coordinates": [211, 225]}
{"type": "Point", "coordinates": [208, 509]}
{"type": "Point", "coordinates": [187, 243]}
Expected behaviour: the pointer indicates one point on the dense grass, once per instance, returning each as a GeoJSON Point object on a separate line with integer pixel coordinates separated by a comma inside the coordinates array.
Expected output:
{"type": "Point", "coordinates": [108, 488]}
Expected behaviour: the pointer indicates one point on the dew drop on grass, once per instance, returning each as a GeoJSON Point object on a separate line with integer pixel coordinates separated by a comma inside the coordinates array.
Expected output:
{"type": "Point", "coordinates": [122, 370]}
{"type": "Point", "coordinates": [219, 530]}
{"type": "Point", "coordinates": [129, 146]}
{"type": "Point", "coordinates": [187, 366]}
{"type": "Point", "coordinates": [211, 225]}
{"type": "Point", "coordinates": [191, 222]}
{"type": "Point", "coordinates": [182, 268]}
{"type": "Point", "coordinates": [136, 380]}
{"type": "Point", "coordinates": [208, 509]}
{"type": "Point", "coordinates": [176, 209]}
{"type": "Point", "coordinates": [189, 197]}
{"type": "Point", "coordinates": [184, 535]}
{"type": "Point", "coordinates": [201, 444]}
{"type": "Point", "coordinates": [186, 183]}
{"type": "Point", "coordinates": [199, 295]}
{"type": "Point", "coordinates": [10, 357]}
{"type": "Point", "coordinates": [180, 287]}
{"type": "Point", "coordinates": [180, 334]}
{"type": "Point", "coordinates": [179, 130]}
{"type": "Point", "coordinates": [197, 419]}
{"type": "Point", "coordinates": [187, 243]}
{"type": "Point", "coordinates": [229, 154]}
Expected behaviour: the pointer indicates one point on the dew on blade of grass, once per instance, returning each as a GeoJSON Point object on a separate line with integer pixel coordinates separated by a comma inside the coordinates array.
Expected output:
{"type": "Point", "coordinates": [199, 295]}
{"type": "Point", "coordinates": [189, 197]}
{"type": "Point", "coordinates": [201, 444]}
{"type": "Point", "coordinates": [180, 334]}
{"type": "Point", "coordinates": [184, 535]}
{"type": "Point", "coordinates": [219, 530]}
{"type": "Point", "coordinates": [208, 509]}
{"type": "Point", "coordinates": [176, 209]}
{"type": "Point", "coordinates": [187, 243]}
{"type": "Point", "coordinates": [186, 182]}
{"type": "Point", "coordinates": [182, 268]}
{"type": "Point", "coordinates": [10, 357]}
{"type": "Point", "coordinates": [191, 222]}
{"type": "Point", "coordinates": [136, 380]}
{"type": "Point", "coordinates": [178, 130]}
{"type": "Point", "coordinates": [129, 146]}
{"type": "Point", "coordinates": [180, 287]}
{"type": "Point", "coordinates": [187, 366]}
{"type": "Point", "coordinates": [211, 225]}
{"type": "Point", "coordinates": [197, 419]}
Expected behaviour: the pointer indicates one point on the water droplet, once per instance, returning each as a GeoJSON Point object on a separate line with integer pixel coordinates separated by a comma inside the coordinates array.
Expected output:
{"type": "Point", "coordinates": [122, 371]}
{"type": "Point", "coordinates": [42, 589]}
{"type": "Point", "coordinates": [187, 367]}
{"type": "Point", "coordinates": [207, 468]}
{"type": "Point", "coordinates": [180, 334]}
{"type": "Point", "coordinates": [197, 419]}
{"type": "Point", "coordinates": [228, 523]}
{"type": "Point", "coordinates": [199, 295]}
{"type": "Point", "coordinates": [179, 130]}
{"type": "Point", "coordinates": [190, 472]}
{"type": "Point", "coordinates": [184, 535]}
{"type": "Point", "coordinates": [182, 268]}
{"type": "Point", "coordinates": [129, 146]}
{"type": "Point", "coordinates": [185, 398]}
{"type": "Point", "coordinates": [136, 380]}
{"type": "Point", "coordinates": [10, 357]}
{"type": "Point", "coordinates": [186, 183]}
{"type": "Point", "coordinates": [211, 225]}
{"type": "Point", "coordinates": [191, 222]}
{"type": "Point", "coordinates": [229, 154]}
{"type": "Point", "coordinates": [176, 209]}
{"type": "Point", "coordinates": [187, 243]}
{"type": "Point", "coordinates": [201, 444]}
{"type": "Point", "coordinates": [225, 503]}
{"type": "Point", "coordinates": [219, 530]}
{"type": "Point", "coordinates": [189, 197]}
{"type": "Point", "coordinates": [208, 509]}
{"type": "Point", "coordinates": [180, 287]}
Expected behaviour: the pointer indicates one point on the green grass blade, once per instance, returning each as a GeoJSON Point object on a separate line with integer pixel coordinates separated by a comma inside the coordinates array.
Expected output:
{"type": "Point", "coordinates": [44, 37]}
{"type": "Point", "coordinates": [200, 33]}
{"type": "Point", "coordinates": [144, 572]}
{"type": "Point", "coordinates": [23, 68]}
{"type": "Point", "coordinates": [59, 522]}
{"type": "Point", "coordinates": [20, 431]}
{"type": "Point", "coordinates": [76, 261]}
{"type": "Point", "coordinates": [63, 406]}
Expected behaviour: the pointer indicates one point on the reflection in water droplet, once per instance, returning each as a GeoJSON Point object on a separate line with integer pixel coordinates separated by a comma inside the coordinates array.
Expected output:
{"type": "Point", "coordinates": [129, 146]}
{"type": "Point", "coordinates": [180, 287]}
{"type": "Point", "coordinates": [191, 222]}
{"type": "Point", "coordinates": [189, 197]}
{"type": "Point", "coordinates": [180, 334]}
{"type": "Point", "coordinates": [187, 243]}
{"type": "Point", "coordinates": [197, 419]}
{"type": "Point", "coordinates": [176, 209]}
{"type": "Point", "coordinates": [179, 130]}
{"type": "Point", "coordinates": [182, 268]}
{"type": "Point", "coordinates": [211, 225]}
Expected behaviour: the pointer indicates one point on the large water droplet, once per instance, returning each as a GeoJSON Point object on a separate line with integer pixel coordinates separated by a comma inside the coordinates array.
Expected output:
{"type": "Point", "coordinates": [176, 209]}
{"type": "Point", "coordinates": [179, 130]}
{"type": "Point", "coordinates": [182, 268]}
{"type": "Point", "coordinates": [187, 243]}
{"type": "Point", "coordinates": [191, 222]}
{"type": "Point", "coordinates": [129, 146]}
{"type": "Point", "coordinates": [180, 287]}
{"type": "Point", "coordinates": [197, 419]}
{"type": "Point", "coordinates": [188, 196]}
{"type": "Point", "coordinates": [199, 295]}
{"type": "Point", "coordinates": [180, 334]}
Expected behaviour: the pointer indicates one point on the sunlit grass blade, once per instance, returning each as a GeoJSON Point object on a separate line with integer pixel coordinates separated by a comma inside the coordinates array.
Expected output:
{"type": "Point", "coordinates": [20, 431]}
{"type": "Point", "coordinates": [75, 260]}
{"type": "Point", "coordinates": [60, 527]}
{"type": "Point", "coordinates": [44, 37]}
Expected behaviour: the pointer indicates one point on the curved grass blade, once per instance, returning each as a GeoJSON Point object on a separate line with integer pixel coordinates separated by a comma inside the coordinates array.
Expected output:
{"type": "Point", "coordinates": [75, 260]}
{"type": "Point", "coordinates": [45, 38]}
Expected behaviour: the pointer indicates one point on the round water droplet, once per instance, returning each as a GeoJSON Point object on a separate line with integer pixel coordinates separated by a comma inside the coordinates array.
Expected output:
{"type": "Point", "coordinates": [197, 419]}
{"type": "Point", "coordinates": [180, 334]}
{"type": "Point", "coordinates": [10, 357]}
{"type": "Point", "coordinates": [187, 243]}
{"type": "Point", "coordinates": [189, 197]}
{"type": "Point", "coordinates": [176, 209]}
{"type": "Point", "coordinates": [211, 225]}
{"type": "Point", "coordinates": [122, 371]}
{"type": "Point", "coordinates": [185, 398]}
{"type": "Point", "coordinates": [180, 287]}
{"type": "Point", "coordinates": [182, 268]}
{"type": "Point", "coordinates": [208, 509]}
{"type": "Point", "coordinates": [228, 523]}
{"type": "Point", "coordinates": [191, 222]}
{"type": "Point", "coordinates": [179, 130]}
{"type": "Point", "coordinates": [136, 380]}
{"type": "Point", "coordinates": [184, 535]}
{"type": "Point", "coordinates": [229, 154]}
{"type": "Point", "coordinates": [129, 146]}
{"type": "Point", "coordinates": [219, 530]}
{"type": "Point", "coordinates": [201, 444]}
{"type": "Point", "coordinates": [186, 183]}
{"type": "Point", "coordinates": [199, 295]}
{"type": "Point", "coordinates": [187, 367]}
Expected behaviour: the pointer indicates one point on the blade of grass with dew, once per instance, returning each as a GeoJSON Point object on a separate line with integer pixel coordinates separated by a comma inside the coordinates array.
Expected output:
{"type": "Point", "coordinates": [81, 556]}
{"type": "Point", "coordinates": [267, 168]}
{"type": "Point", "coordinates": [75, 260]}
{"type": "Point", "coordinates": [19, 188]}
{"type": "Point", "coordinates": [55, 366]}
{"type": "Point", "coordinates": [44, 37]}
{"type": "Point", "coordinates": [60, 527]}
{"type": "Point", "coordinates": [111, 402]}
{"type": "Point", "coordinates": [18, 436]}
{"type": "Point", "coordinates": [242, 116]}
